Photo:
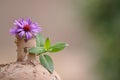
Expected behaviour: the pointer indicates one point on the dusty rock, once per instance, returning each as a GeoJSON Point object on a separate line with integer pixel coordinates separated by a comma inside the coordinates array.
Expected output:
{"type": "Point", "coordinates": [26, 67]}
{"type": "Point", "coordinates": [26, 71]}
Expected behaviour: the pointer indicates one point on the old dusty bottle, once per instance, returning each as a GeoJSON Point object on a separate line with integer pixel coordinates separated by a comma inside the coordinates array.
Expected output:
{"type": "Point", "coordinates": [27, 66]}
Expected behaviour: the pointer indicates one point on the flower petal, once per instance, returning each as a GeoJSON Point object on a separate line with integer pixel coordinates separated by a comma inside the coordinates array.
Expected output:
{"type": "Point", "coordinates": [21, 34]}
{"type": "Point", "coordinates": [35, 30]}
{"type": "Point", "coordinates": [29, 21]}
{"type": "Point", "coordinates": [28, 35]}
{"type": "Point", "coordinates": [17, 23]}
{"type": "Point", "coordinates": [19, 30]}
{"type": "Point", "coordinates": [25, 23]}
{"type": "Point", "coordinates": [33, 26]}
{"type": "Point", "coordinates": [13, 30]}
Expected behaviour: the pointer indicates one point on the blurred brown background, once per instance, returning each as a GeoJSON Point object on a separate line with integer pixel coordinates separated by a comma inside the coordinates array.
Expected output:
{"type": "Point", "coordinates": [58, 20]}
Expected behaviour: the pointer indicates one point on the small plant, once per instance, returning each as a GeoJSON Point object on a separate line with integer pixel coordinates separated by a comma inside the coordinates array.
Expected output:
{"type": "Point", "coordinates": [43, 46]}
{"type": "Point", "coordinates": [26, 29]}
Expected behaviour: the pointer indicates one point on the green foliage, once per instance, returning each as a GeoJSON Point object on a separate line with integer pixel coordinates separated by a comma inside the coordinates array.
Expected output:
{"type": "Point", "coordinates": [43, 46]}
{"type": "Point", "coordinates": [103, 18]}
{"type": "Point", "coordinates": [37, 50]}
{"type": "Point", "coordinates": [47, 62]}
{"type": "Point", "coordinates": [40, 40]}
{"type": "Point", "coordinates": [109, 63]}
{"type": "Point", "coordinates": [57, 47]}
{"type": "Point", "coordinates": [47, 44]}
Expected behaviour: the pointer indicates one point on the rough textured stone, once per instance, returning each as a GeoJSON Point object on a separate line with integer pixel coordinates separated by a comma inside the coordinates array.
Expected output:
{"type": "Point", "coordinates": [26, 71]}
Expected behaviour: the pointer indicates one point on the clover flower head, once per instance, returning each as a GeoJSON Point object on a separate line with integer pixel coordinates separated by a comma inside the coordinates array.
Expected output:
{"type": "Point", "coordinates": [25, 28]}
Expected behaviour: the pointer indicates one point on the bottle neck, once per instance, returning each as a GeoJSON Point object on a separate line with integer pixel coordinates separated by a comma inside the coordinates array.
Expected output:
{"type": "Point", "coordinates": [22, 49]}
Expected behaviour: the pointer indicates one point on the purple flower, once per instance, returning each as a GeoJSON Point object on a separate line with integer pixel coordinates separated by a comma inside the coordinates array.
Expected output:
{"type": "Point", "coordinates": [25, 28]}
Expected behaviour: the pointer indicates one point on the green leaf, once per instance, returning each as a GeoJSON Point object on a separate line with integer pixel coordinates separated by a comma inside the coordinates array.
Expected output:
{"type": "Point", "coordinates": [40, 40]}
{"type": "Point", "coordinates": [47, 44]}
{"type": "Point", "coordinates": [37, 50]}
{"type": "Point", "coordinates": [57, 47]}
{"type": "Point", "coordinates": [47, 62]}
